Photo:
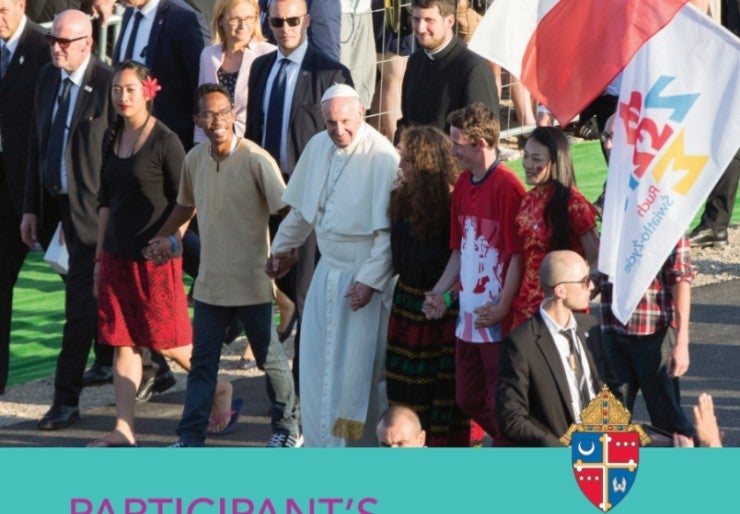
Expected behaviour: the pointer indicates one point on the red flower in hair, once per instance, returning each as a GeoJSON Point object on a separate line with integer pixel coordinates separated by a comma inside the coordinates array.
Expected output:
{"type": "Point", "coordinates": [150, 87]}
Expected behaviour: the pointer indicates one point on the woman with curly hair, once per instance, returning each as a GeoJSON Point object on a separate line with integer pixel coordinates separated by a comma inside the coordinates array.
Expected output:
{"type": "Point", "coordinates": [553, 215]}
{"type": "Point", "coordinates": [420, 357]}
{"type": "Point", "coordinates": [141, 304]}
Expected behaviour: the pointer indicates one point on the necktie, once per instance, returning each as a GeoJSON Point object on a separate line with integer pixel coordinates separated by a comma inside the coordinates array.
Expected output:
{"type": "Point", "coordinates": [4, 59]}
{"type": "Point", "coordinates": [574, 360]}
{"type": "Point", "coordinates": [274, 125]}
{"type": "Point", "coordinates": [55, 148]}
{"type": "Point", "coordinates": [132, 38]}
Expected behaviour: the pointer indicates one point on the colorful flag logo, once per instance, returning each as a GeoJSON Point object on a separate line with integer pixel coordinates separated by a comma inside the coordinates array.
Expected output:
{"type": "Point", "coordinates": [675, 133]}
{"type": "Point", "coordinates": [605, 450]}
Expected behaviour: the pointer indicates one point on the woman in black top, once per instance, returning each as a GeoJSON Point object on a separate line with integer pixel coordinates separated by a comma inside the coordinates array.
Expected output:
{"type": "Point", "coordinates": [420, 356]}
{"type": "Point", "coordinates": [140, 303]}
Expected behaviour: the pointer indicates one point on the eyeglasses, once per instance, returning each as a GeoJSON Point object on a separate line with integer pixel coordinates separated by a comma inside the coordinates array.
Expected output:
{"type": "Point", "coordinates": [210, 117]}
{"type": "Point", "coordinates": [585, 282]}
{"type": "Point", "coordinates": [235, 21]}
{"type": "Point", "coordinates": [61, 41]}
{"type": "Point", "coordinates": [293, 21]}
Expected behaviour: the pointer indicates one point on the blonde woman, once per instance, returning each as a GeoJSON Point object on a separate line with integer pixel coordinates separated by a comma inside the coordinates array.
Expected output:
{"type": "Point", "coordinates": [238, 41]}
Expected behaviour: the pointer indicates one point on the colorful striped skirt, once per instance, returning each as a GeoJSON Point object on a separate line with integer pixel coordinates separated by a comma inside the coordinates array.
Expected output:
{"type": "Point", "coordinates": [420, 368]}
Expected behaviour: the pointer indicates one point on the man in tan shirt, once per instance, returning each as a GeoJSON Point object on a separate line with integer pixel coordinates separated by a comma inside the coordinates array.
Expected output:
{"type": "Point", "coordinates": [234, 185]}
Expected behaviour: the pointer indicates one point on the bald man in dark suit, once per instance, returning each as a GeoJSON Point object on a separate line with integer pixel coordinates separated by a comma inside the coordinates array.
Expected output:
{"type": "Point", "coordinates": [550, 366]}
{"type": "Point", "coordinates": [62, 182]}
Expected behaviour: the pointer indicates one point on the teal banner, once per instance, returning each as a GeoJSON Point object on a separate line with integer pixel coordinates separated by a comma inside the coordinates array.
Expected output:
{"type": "Point", "coordinates": [347, 481]}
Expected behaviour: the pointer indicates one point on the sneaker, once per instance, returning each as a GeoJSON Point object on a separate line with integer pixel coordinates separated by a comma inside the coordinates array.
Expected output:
{"type": "Point", "coordinates": [178, 444]}
{"type": "Point", "coordinates": [285, 440]}
{"type": "Point", "coordinates": [245, 363]}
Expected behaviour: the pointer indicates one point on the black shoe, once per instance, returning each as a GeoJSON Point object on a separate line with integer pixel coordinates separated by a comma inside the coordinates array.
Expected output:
{"type": "Point", "coordinates": [156, 384]}
{"type": "Point", "coordinates": [59, 416]}
{"type": "Point", "coordinates": [701, 237]}
{"type": "Point", "coordinates": [97, 375]}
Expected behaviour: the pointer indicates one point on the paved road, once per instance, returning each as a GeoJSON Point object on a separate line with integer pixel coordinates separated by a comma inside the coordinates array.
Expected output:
{"type": "Point", "coordinates": [715, 368]}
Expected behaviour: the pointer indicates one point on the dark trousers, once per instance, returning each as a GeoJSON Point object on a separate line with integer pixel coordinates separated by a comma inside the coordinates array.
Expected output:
{"type": "Point", "coordinates": [209, 326]}
{"type": "Point", "coordinates": [640, 363]}
{"type": "Point", "coordinates": [12, 253]}
{"type": "Point", "coordinates": [80, 309]}
{"type": "Point", "coordinates": [718, 209]}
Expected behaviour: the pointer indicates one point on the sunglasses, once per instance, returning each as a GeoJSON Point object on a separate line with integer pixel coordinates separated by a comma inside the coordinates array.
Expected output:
{"type": "Point", "coordinates": [585, 281]}
{"type": "Point", "coordinates": [63, 42]}
{"type": "Point", "coordinates": [293, 21]}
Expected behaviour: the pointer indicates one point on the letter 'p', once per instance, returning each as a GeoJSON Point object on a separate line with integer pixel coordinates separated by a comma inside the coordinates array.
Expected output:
{"type": "Point", "coordinates": [80, 506]}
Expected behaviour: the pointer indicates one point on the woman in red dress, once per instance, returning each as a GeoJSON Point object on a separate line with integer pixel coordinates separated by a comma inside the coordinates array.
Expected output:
{"type": "Point", "coordinates": [553, 215]}
{"type": "Point", "coordinates": [141, 304]}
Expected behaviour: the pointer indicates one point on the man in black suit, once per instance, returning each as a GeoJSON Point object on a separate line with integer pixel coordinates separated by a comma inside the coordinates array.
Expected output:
{"type": "Point", "coordinates": [547, 371]}
{"type": "Point", "coordinates": [284, 128]}
{"type": "Point", "coordinates": [72, 111]}
{"type": "Point", "coordinates": [22, 54]}
{"type": "Point", "coordinates": [168, 39]}
{"type": "Point", "coordinates": [309, 73]}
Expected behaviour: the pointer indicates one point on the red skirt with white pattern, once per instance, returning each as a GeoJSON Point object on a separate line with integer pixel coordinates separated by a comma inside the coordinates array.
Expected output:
{"type": "Point", "coordinates": [142, 304]}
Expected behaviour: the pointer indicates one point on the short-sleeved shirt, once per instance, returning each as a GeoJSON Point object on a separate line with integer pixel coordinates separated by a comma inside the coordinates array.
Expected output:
{"type": "Point", "coordinates": [233, 199]}
{"type": "Point", "coordinates": [482, 229]}
{"type": "Point", "coordinates": [536, 234]}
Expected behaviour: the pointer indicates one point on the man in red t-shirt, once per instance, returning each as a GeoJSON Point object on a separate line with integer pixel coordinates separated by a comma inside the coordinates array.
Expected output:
{"type": "Point", "coordinates": [485, 264]}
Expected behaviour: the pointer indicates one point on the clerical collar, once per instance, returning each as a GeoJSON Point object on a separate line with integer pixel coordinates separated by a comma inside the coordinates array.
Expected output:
{"type": "Point", "coordinates": [439, 53]}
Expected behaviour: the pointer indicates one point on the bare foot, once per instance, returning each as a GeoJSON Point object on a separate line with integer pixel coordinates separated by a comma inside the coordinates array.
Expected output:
{"type": "Point", "coordinates": [221, 407]}
{"type": "Point", "coordinates": [112, 440]}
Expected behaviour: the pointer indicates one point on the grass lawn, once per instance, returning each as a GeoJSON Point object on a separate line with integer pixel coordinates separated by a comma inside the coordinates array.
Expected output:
{"type": "Point", "coordinates": [38, 309]}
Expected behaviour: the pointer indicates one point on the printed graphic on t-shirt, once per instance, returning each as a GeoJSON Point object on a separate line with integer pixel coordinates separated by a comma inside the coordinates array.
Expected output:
{"type": "Point", "coordinates": [480, 277]}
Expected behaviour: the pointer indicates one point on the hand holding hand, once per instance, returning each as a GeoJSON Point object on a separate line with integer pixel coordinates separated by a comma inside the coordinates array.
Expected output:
{"type": "Point", "coordinates": [434, 305]}
{"type": "Point", "coordinates": [278, 265]}
{"type": "Point", "coordinates": [159, 250]}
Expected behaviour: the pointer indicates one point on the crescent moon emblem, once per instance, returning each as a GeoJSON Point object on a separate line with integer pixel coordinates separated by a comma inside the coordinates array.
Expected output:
{"type": "Point", "coordinates": [584, 452]}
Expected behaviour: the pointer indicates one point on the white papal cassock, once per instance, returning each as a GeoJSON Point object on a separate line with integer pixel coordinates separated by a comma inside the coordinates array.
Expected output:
{"type": "Point", "coordinates": [343, 193]}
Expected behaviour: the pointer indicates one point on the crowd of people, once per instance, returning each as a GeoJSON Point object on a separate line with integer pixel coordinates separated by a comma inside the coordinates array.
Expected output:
{"type": "Point", "coordinates": [421, 275]}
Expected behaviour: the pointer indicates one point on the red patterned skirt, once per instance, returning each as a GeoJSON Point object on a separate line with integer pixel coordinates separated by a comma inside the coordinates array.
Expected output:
{"type": "Point", "coordinates": [142, 304]}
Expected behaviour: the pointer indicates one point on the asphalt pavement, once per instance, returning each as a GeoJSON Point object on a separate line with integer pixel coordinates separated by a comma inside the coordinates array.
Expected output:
{"type": "Point", "coordinates": [715, 368]}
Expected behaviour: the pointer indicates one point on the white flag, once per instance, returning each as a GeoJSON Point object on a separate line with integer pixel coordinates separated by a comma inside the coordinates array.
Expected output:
{"type": "Point", "coordinates": [678, 127]}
